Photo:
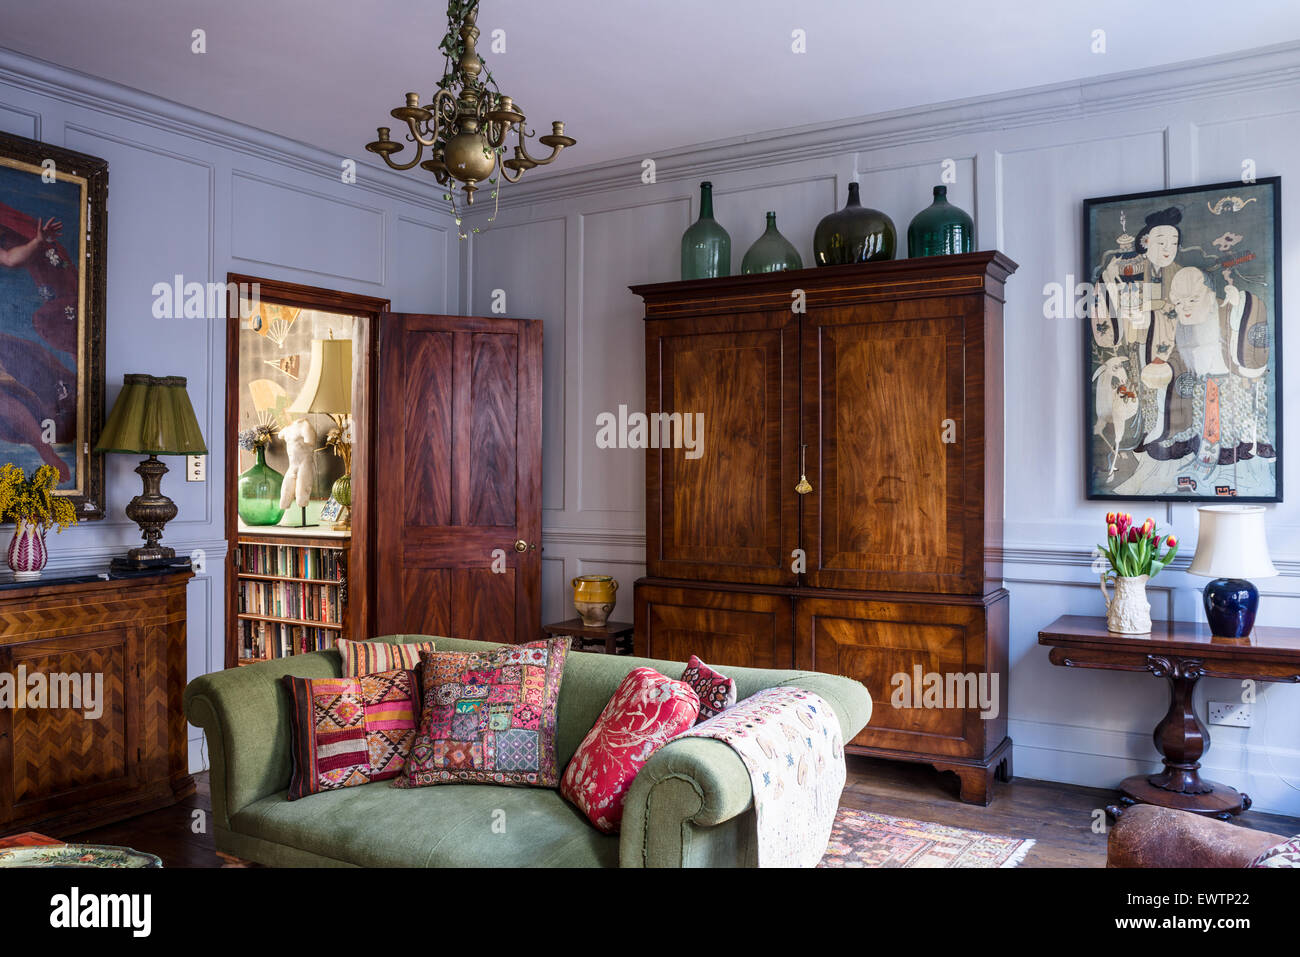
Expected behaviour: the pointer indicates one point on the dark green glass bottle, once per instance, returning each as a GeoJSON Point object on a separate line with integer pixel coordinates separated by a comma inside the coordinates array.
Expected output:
{"type": "Point", "coordinates": [941, 229]}
{"type": "Point", "coordinates": [854, 234]}
{"type": "Point", "coordinates": [771, 252]}
{"type": "Point", "coordinates": [706, 247]}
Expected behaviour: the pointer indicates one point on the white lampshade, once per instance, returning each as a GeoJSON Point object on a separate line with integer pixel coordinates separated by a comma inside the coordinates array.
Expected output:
{"type": "Point", "coordinates": [329, 383]}
{"type": "Point", "coordinates": [1232, 543]}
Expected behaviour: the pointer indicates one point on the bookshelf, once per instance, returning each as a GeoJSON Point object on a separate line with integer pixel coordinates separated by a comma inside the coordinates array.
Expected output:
{"type": "Point", "coordinates": [291, 593]}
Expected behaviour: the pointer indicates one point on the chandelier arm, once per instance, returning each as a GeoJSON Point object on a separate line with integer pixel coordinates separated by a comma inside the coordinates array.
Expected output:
{"type": "Point", "coordinates": [419, 151]}
{"type": "Point", "coordinates": [523, 149]}
{"type": "Point", "coordinates": [415, 133]}
{"type": "Point", "coordinates": [505, 174]}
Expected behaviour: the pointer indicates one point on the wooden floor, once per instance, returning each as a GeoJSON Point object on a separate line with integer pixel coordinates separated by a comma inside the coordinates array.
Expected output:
{"type": "Point", "coordinates": [1059, 817]}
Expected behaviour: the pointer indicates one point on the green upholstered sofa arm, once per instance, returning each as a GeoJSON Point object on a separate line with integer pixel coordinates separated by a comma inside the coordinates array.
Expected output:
{"type": "Point", "coordinates": [692, 804]}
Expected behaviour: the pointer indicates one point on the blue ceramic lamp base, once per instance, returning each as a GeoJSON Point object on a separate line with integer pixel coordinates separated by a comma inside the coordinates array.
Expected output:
{"type": "Point", "coordinates": [1230, 606]}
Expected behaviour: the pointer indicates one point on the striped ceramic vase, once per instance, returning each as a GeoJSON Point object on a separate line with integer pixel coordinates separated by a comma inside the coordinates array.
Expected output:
{"type": "Point", "coordinates": [27, 554]}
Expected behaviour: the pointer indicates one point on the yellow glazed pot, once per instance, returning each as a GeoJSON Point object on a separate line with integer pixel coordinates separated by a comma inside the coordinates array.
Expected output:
{"type": "Point", "coordinates": [594, 596]}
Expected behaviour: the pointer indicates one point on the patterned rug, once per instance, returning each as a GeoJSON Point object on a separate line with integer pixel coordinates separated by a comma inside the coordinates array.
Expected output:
{"type": "Point", "coordinates": [863, 839]}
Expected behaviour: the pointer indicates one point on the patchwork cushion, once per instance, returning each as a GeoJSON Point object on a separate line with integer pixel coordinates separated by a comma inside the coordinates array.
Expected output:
{"type": "Point", "coordinates": [348, 731]}
{"type": "Point", "coordinates": [374, 657]}
{"type": "Point", "coordinates": [717, 692]}
{"type": "Point", "coordinates": [645, 712]}
{"type": "Point", "coordinates": [489, 718]}
{"type": "Point", "coordinates": [1283, 854]}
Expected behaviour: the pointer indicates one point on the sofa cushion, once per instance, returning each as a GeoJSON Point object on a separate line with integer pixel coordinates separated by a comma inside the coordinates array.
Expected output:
{"type": "Point", "coordinates": [348, 731]}
{"type": "Point", "coordinates": [1283, 854]}
{"type": "Point", "coordinates": [644, 714]}
{"type": "Point", "coordinates": [716, 691]}
{"type": "Point", "coordinates": [489, 718]}
{"type": "Point", "coordinates": [373, 657]}
{"type": "Point", "coordinates": [473, 825]}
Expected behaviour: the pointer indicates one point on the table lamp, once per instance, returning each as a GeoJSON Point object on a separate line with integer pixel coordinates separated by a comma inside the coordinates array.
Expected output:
{"type": "Point", "coordinates": [1230, 547]}
{"type": "Point", "coordinates": [153, 417]}
{"type": "Point", "coordinates": [328, 391]}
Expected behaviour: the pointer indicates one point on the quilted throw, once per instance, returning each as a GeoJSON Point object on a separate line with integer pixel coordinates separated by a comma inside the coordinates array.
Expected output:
{"type": "Point", "coordinates": [790, 742]}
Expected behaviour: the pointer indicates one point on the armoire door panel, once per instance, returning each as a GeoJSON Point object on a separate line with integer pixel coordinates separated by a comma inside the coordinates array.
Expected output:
{"type": "Point", "coordinates": [722, 628]}
{"type": "Point", "coordinates": [727, 511]}
{"type": "Point", "coordinates": [889, 443]}
{"type": "Point", "coordinates": [873, 642]}
{"type": "Point", "coordinates": [63, 754]}
{"type": "Point", "coordinates": [459, 477]}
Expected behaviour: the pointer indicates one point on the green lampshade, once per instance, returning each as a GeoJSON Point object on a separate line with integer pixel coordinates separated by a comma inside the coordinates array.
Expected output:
{"type": "Point", "coordinates": [152, 416]}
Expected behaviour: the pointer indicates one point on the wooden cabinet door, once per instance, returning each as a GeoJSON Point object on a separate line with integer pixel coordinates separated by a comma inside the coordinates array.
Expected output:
{"type": "Point", "coordinates": [60, 756]}
{"type": "Point", "coordinates": [722, 627]}
{"type": "Point", "coordinates": [728, 513]}
{"type": "Point", "coordinates": [895, 460]}
{"type": "Point", "coordinates": [458, 477]}
{"type": "Point", "coordinates": [875, 641]}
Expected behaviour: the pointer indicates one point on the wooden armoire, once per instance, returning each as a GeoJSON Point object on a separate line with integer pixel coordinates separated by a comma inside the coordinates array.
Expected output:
{"type": "Point", "coordinates": [844, 513]}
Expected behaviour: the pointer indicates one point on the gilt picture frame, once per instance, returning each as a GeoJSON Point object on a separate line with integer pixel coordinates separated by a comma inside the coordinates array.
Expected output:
{"type": "Point", "coordinates": [1182, 344]}
{"type": "Point", "coordinates": [53, 262]}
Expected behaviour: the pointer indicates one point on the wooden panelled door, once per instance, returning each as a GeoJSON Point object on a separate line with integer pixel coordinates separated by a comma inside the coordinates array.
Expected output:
{"type": "Point", "coordinates": [458, 477]}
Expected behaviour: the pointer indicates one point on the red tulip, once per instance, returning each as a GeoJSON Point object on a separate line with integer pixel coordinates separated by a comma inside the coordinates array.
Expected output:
{"type": "Point", "coordinates": [1133, 535]}
{"type": "Point", "coordinates": [1147, 526]}
{"type": "Point", "coordinates": [1110, 518]}
{"type": "Point", "coordinates": [1171, 541]}
{"type": "Point", "coordinates": [1112, 531]}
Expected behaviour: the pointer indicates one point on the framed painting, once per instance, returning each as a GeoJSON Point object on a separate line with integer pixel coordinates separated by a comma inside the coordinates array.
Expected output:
{"type": "Point", "coordinates": [1183, 344]}
{"type": "Point", "coordinates": [52, 281]}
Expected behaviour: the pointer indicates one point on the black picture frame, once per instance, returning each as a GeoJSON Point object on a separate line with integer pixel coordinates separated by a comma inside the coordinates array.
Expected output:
{"type": "Point", "coordinates": [43, 396]}
{"type": "Point", "coordinates": [1157, 455]}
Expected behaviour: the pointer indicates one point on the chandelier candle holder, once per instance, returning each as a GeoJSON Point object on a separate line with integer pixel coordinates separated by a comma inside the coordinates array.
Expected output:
{"type": "Point", "coordinates": [465, 127]}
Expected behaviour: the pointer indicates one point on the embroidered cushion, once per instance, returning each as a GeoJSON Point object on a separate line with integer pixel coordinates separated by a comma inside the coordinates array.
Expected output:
{"type": "Point", "coordinates": [717, 692]}
{"type": "Point", "coordinates": [1284, 854]}
{"type": "Point", "coordinates": [348, 731]}
{"type": "Point", "coordinates": [488, 718]}
{"type": "Point", "coordinates": [373, 657]}
{"type": "Point", "coordinates": [646, 711]}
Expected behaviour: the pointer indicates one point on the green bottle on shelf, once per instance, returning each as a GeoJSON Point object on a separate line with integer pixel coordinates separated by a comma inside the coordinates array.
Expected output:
{"type": "Point", "coordinates": [258, 494]}
{"type": "Point", "coordinates": [706, 247]}
{"type": "Point", "coordinates": [771, 252]}
{"type": "Point", "coordinates": [941, 229]}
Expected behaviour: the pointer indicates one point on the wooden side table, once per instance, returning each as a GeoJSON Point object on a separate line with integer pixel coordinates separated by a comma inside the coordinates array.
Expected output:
{"type": "Point", "coordinates": [613, 637]}
{"type": "Point", "coordinates": [1182, 653]}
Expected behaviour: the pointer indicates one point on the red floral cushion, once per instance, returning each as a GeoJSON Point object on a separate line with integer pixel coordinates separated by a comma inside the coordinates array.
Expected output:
{"type": "Point", "coordinates": [646, 711]}
{"type": "Point", "coordinates": [1283, 854]}
{"type": "Point", "coordinates": [348, 731]}
{"type": "Point", "coordinates": [717, 692]}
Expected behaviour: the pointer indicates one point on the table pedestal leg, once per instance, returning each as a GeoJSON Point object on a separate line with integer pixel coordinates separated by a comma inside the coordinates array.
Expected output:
{"type": "Point", "coordinates": [1181, 738]}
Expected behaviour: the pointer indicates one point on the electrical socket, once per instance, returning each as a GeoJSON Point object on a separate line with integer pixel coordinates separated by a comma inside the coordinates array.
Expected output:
{"type": "Point", "coordinates": [196, 468]}
{"type": "Point", "coordinates": [1232, 714]}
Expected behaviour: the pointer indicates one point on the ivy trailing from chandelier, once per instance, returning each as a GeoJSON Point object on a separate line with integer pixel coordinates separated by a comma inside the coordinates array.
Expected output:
{"type": "Point", "coordinates": [465, 126]}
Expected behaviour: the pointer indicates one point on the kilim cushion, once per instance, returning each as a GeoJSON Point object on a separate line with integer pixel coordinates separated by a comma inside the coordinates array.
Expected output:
{"type": "Point", "coordinates": [1284, 854]}
{"type": "Point", "coordinates": [373, 657]}
{"type": "Point", "coordinates": [349, 731]}
{"type": "Point", "coordinates": [717, 692]}
{"type": "Point", "coordinates": [488, 718]}
{"type": "Point", "coordinates": [646, 711]}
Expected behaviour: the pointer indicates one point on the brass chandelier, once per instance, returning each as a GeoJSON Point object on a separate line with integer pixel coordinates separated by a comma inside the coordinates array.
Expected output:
{"type": "Point", "coordinates": [466, 125]}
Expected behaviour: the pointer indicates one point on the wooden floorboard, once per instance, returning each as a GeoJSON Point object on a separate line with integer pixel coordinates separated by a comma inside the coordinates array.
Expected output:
{"type": "Point", "coordinates": [1059, 817]}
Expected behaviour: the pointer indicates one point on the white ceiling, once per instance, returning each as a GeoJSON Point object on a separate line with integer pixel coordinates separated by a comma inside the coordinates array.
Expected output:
{"type": "Point", "coordinates": [628, 77]}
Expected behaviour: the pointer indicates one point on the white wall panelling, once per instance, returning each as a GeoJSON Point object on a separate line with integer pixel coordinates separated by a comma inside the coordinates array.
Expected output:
{"type": "Point", "coordinates": [1024, 163]}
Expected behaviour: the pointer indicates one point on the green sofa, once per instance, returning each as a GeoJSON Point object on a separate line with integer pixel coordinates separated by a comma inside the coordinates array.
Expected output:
{"type": "Point", "coordinates": [690, 806]}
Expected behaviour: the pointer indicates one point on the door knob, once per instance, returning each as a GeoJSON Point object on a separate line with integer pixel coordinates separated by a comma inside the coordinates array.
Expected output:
{"type": "Point", "coordinates": [521, 546]}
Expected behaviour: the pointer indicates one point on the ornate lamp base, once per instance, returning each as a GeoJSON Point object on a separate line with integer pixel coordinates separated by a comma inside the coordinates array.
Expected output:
{"type": "Point", "coordinates": [151, 510]}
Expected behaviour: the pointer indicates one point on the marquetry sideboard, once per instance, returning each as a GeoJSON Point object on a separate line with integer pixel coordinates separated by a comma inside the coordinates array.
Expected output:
{"type": "Point", "coordinates": [73, 759]}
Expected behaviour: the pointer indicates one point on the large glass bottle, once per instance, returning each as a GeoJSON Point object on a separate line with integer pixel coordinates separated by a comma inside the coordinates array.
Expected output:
{"type": "Point", "coordinates": [854, 234]}
{"type": "Point", "coordinates": [258, 499]}
{"type": "Point", "coordinates": [941, 229]}
{"type": "Point", "coordinates": [771, 252]}
{"type": "Point", "coordinates": [706, 247]}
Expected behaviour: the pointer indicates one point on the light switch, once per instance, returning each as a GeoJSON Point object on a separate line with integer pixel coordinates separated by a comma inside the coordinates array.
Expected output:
{"type": "Point", "coordinates": [196, 468]}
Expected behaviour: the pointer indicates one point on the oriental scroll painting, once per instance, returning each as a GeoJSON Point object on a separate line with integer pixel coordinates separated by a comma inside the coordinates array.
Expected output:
{"type": "Point", "coordinates": [1183, 352]}
{"type": "Point", "coordinates": [52, 266]}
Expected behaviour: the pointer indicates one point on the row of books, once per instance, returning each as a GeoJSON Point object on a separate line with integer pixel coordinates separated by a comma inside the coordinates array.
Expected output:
{"type": "Point", "coordinates": [300, 600]}
{"type": "Point", "coordinates": [268, 639]}
{"type": "Point", "coordinates": [292, 561]}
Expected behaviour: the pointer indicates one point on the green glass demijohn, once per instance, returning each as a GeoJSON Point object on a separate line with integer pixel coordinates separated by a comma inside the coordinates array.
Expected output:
{"type": "Point", "coordinates": [259, 493]}
{"type": "Point", "coordinates": [706, 247]}
{"type": "Point", "coordinates": [771, 252]}
{"type": "Point", "coordinates": [941, 229]}
{"type": "Point", "coordinates": [854, 234]}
